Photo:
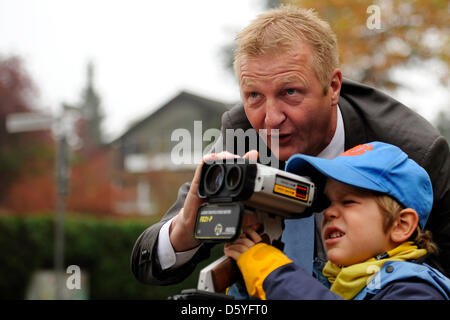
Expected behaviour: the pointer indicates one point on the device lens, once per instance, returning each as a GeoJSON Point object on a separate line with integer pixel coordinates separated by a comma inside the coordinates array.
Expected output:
{"type": "Point", "coordinates": [233, 178]}
{"type": "Point", "coordinates": [214, 179]}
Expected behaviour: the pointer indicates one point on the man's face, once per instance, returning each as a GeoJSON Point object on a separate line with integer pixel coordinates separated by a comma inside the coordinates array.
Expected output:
{"type": "Point", "coordinates": [281, 91]}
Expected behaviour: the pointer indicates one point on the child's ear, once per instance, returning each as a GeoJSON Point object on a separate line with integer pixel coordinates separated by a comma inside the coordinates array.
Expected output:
{"type": "Point", "coordinates": [404, 226]}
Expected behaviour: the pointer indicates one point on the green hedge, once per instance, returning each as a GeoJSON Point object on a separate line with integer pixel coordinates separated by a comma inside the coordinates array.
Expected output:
{"type": "Point", "coordinates": [101, 247]}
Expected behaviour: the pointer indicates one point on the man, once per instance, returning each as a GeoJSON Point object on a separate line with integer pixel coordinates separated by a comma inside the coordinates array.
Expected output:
{"type": "Point", "coordinates": [286, 62]}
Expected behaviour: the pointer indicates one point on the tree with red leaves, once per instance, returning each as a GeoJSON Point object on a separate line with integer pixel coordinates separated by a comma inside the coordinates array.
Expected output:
{"type": "Point", "coordinates": [22, 155]}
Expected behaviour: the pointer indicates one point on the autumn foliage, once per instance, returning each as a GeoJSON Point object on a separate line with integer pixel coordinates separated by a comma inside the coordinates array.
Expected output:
{"type": "Point", "coordinates": [27, 159]}
{"type": "Point", "coordinates": [91, 189]}
{"type": "Point", "coordinates": [409, 32]}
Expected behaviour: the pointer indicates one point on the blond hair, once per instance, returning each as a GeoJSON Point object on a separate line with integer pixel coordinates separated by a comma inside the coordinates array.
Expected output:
{"type": "Point", "coordinates": [391, 209]}
{"type": "Point", "coordinates": [281, 29]}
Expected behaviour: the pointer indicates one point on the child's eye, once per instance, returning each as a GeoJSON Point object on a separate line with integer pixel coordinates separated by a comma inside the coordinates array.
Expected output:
{"type": "Point", "coordinates": [348, 202]}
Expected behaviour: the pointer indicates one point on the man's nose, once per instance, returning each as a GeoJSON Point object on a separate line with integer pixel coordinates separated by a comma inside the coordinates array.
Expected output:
{"type": "Point", "coordinates": [275, 115]}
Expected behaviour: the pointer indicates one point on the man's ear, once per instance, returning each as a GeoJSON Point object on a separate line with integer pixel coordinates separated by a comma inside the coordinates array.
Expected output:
{"type": "Point", "coordinates": [404, 226]}
{"type": "Point", "coordinates": [335, 86]}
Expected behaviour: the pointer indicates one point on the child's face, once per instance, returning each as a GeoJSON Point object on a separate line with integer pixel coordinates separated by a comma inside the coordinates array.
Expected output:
{"type": "Point", "coordinates": [352, 226]}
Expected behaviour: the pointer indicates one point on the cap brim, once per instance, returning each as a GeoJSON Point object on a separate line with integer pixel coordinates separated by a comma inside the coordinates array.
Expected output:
{"type": "Point", "coordinates": [306, 165]}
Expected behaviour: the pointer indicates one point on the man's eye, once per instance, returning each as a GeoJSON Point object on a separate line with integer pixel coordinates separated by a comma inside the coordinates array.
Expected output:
{"type": "Point", "coordinates": [291, 92]}
{"type": "Point", "coordinates": [254, 95]}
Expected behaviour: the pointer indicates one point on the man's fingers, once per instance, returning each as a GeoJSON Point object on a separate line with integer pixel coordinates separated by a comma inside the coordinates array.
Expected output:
{"type": "Point", "coordinates": [218, 156]}
{"type": "Point", "coordinates": [252, 155]}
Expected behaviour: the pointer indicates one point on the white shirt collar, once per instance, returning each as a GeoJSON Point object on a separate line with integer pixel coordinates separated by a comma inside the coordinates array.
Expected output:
{"type": "Point", "coordinates": [337, 144]}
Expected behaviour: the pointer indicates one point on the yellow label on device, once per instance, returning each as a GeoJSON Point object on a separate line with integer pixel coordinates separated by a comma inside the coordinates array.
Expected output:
{"type": "Point", "coordinates": [283, 190]}
{"type": "Point", "coordinates": [205, 219]}
{"type": "Point", "coordinates": [292, 189]}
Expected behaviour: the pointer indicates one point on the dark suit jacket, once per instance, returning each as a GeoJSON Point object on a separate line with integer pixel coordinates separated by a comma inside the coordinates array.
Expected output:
{"type": "Point", "coordinates": [368, 115]}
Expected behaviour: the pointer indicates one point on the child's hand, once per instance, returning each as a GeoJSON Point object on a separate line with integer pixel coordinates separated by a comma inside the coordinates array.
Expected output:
{"type": "Point", "coordinates": [246, 241]}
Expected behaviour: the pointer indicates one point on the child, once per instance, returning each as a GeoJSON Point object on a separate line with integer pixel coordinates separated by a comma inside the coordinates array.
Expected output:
{"type": "Point", "coordinates": [379, 202]}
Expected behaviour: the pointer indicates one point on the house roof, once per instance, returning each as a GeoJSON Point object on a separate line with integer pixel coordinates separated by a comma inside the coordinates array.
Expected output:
{"type": "Point", "coordinates": [202, 102]}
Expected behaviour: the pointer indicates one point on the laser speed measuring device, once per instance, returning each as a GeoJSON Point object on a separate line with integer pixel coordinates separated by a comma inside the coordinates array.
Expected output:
{"type": "Point", "coordinates": [233, 187]}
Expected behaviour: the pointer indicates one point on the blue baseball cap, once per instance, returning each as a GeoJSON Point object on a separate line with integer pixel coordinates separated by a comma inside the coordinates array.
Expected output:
{"type": "Point", "coordinates": [375, 166]}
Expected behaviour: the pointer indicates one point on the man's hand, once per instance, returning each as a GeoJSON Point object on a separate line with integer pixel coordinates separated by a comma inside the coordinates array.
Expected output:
{"type": "Point", "coordinates": [181, 231]}
{"type": "Point", "coordinates": [245, 242]}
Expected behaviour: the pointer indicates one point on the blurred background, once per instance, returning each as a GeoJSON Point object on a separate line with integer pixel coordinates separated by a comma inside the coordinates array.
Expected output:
{"type": "Point", "coordinates": [91, 91]}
